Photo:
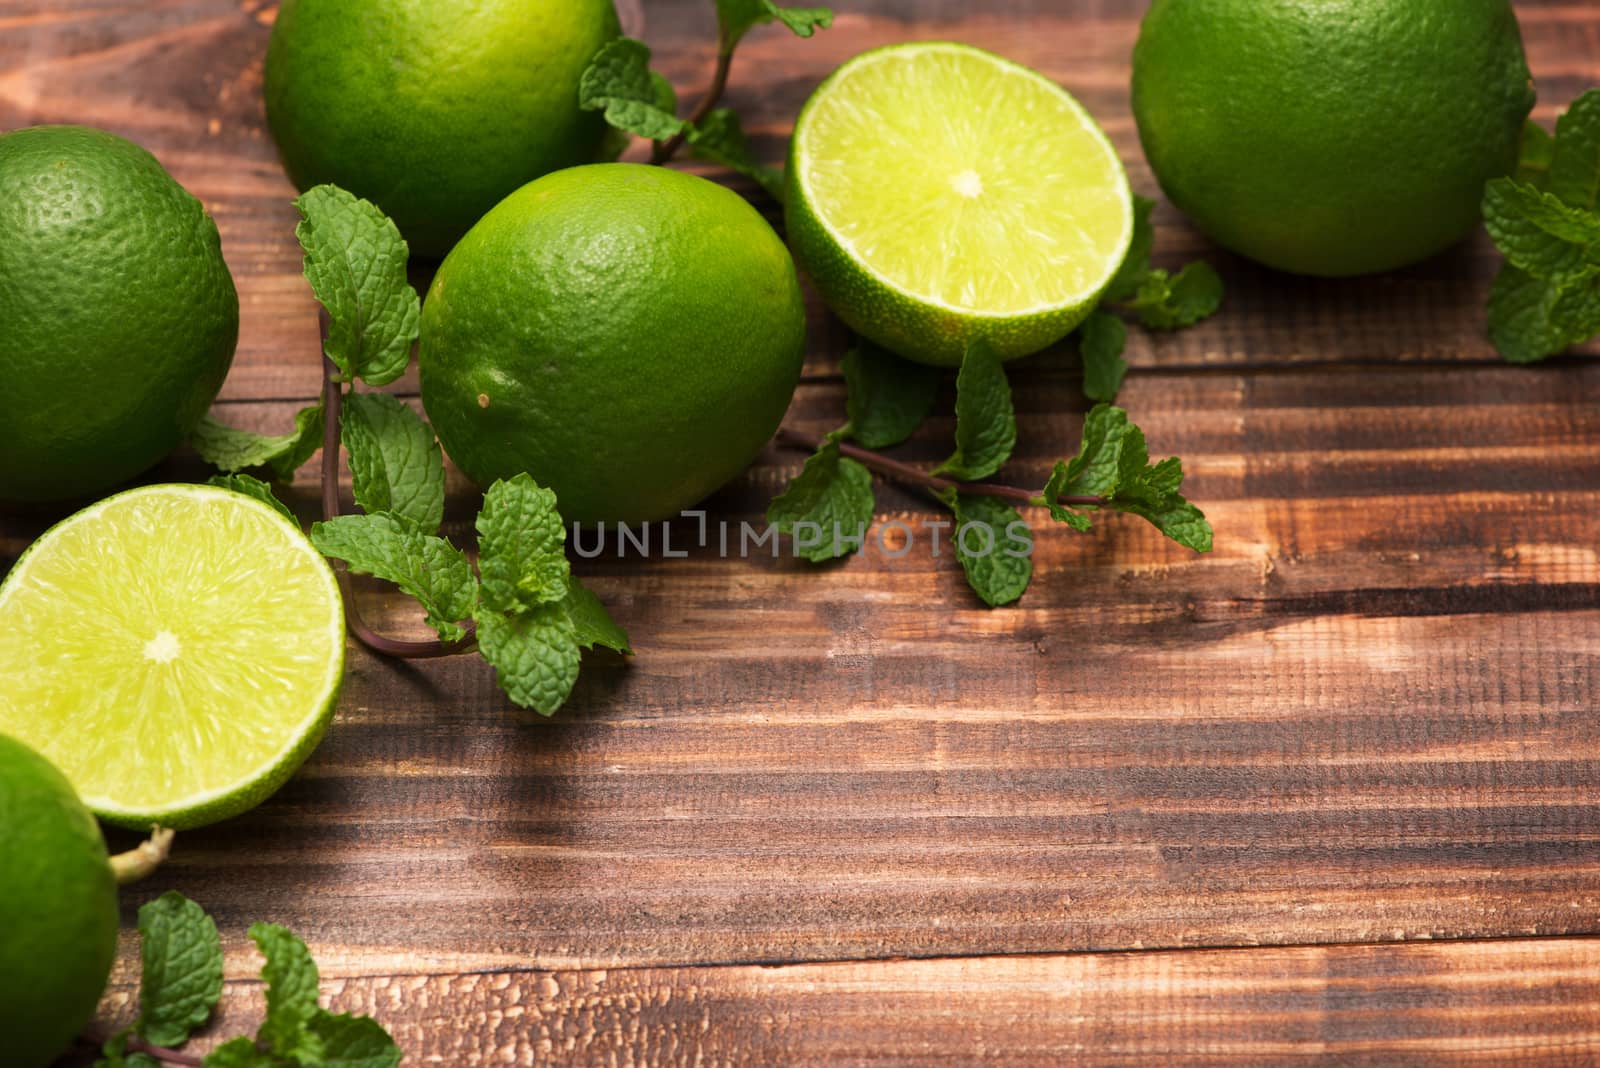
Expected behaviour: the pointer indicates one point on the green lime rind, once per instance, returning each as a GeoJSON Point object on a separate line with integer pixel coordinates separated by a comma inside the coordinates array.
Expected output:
{"type": "Point", "coordinates": [176, 650]}
{"type": "Point", "coordinates": [918, 325]}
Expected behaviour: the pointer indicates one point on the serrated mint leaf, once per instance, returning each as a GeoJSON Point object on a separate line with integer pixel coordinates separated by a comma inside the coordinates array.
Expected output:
{"type": "Point", "coordinates": [592, 625]}
{"type": "Point", "coordinates": [1174, 517]}
{"type": "Point", "coordinates": [231, 449]}
{"type": "Point", "coordinates": [291, 978]}
{"type": "Point", "coordinates": [522, 558]}
{"type": "Point", "coordinates": [181, 969]}
{"type": "Point", "coordinates": [349, 1041]}
{"type": "Point", "coordinates": [994, 545]}
{"type": "Point", "coordinates": [1177, 301]}
{"type": "Point", "coordinates": [736, 17]}
{"type": "Point", "coordinates": [1535, 155]}
{"type": "Point", "coordinates": [1522, 325]}
{"type": "Point", "coordinates": [1101, 341]}
{"type": "Point", "coordinates": [802, 21]}
{"type": "Point", "coordinates": [1136, 264]}
{"type": "Point", "coordinates": [1055, 489]}
{"type": "Point", "coordinates": [241, 1053]}
{"type": "Point", "coordinates": [986, 424]}
{"type": "Point", "coordinates": [355, 260]}
{"type": "Point", "coordinates": [619, 82]}
{"type": "Point", "coordinates": [889, 397]}
{"type": "Point", "coordinates": [719, 138]}
{"type": "Point", "coordinates": [425, 566]}
{"type": "Point", "coordinates": [253, 487]}
{"type": "Point", "coordinates": [395, 462]}
{"type": "Point", "coordinates": [1574, 176]}
{"type": "Point", "coordinates": [1539, 234]}
{"type": "Point", "coordinates": [827, 507]}
{"type": "Point", "coordinates": [534, 654]}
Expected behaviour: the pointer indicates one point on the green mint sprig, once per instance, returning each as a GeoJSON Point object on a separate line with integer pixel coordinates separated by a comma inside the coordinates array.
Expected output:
{"type": "Point", "coordinates": [1544, 220]}
{"type": "Point", "coordinates": [521, 609]}
{"type": "Point", "coordinates": [827, 508]}
{"type": "Point", "coordinates": [639, 102]}
{"type": "Point", "coordinates": [181, 983]}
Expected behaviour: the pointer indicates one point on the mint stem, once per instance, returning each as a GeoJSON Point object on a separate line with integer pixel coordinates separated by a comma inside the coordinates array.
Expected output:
{"type": "Point", "coordinates": [143, 859]}
{"type": "Point", "coordinates": [915, 476]}
{"type": "Point", "coordinates": [98, 1035]}
{"type": "Point", "coordinates": [332, 411]}
{"type": "Point", "coordinates": [665, 150]}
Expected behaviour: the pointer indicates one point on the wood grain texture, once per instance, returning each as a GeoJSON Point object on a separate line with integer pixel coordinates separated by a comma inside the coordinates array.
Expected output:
{"type": "Point", "coordinates": [1503, 1004]}
{"type": "Point", "coordinates": [1368, 717]}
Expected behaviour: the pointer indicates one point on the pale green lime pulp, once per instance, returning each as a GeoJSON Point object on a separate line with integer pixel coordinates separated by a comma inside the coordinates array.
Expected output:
{"type": "Point", "coordinates": [963, 183]}
{"type": "Point", "coordinates": [175, 650]}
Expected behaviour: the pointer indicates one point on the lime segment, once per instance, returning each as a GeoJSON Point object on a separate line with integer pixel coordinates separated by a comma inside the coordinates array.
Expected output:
{"type": "Point", "coordinates": [175, 650]}
{"type": "Point", "coordinates": [942, 193]}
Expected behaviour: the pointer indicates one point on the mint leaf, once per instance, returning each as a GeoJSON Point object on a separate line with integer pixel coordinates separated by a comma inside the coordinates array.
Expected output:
{"type": "Point", "coordinates": [181, 977]}
{"type": "Point", "coordinates": [427, 567]}
{"type": "Point", "coordinates": [619, 82]}
{"type": "Point", "coordinates": [253, 487]}
{"type": "Point", "coordinates": [231, 449]}
{"type": "Point", "coordinates": [535, 655]}
{"type": "Point", "coordinates": [1540, 234]}
{"type": "Point", "coordinates": [347, 1041]}
{"type": "Point", "coordinates": [395, 463]}
{"type": "Point", "coordinates": [994, 545]}
{"type": "Point", "coordinates": [241, 1053]}
{"type": "Point", "coordinates": [736, 17]}
{"type": "Point", "coordinates": [889, 397]}
{"type": "Point", "coordinates": [291, 978]}
{"type": "Point", "coordinates": [592, 625]}
{"type": "Point", "coordinates": [522, 559]}
{"type": "Point", "coordinates": [827, 507]}
{"type": "Point", "coordinates": [1574, 174]}
{"type": "Point", "coordinates": [114, 1054]}
{"type": "Point", "coordinates": [1136, 264]}
{"type": "Point", "coordinates": [1113, 465]}
{"type": "Point", "coordinates": [1522, 322]}
{"type": "Point", "coordinates": [355, 260]}
{"type": "Point", "coordinates": [719, 138]}
{"type": "Point", "coordinates": [1534, 157]}
{"type": "Point", "coordinates": [1172, 302]}
{"type": "Point", "coordinates": [986, 424]}
{"type": "Point", "coordinates": [1101, 341]}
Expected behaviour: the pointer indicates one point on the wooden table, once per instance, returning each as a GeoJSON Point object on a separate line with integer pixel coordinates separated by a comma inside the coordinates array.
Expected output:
{"type": "Point", "coordinates": [1331, 793]}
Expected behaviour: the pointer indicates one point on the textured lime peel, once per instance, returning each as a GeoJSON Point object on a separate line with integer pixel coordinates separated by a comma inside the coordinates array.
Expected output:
{"type": "Point", "coordinates": [940, 194]}
{"type": "Point", "coordinates": [176, 650]}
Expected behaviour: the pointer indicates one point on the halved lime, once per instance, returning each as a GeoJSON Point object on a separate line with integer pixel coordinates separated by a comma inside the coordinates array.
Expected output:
{"type": "Point", "coordinates": [175, 650]}
{"type": "Point", "coordinates": [939, 193]}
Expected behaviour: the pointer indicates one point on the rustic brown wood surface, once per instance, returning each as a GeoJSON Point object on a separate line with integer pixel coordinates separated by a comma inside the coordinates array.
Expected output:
{"type": "Point", "coordinates": [1368, 718]}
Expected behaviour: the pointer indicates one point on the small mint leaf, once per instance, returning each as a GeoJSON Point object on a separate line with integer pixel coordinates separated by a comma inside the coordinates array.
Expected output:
{"type": "Point", "coordinates": [995, 548]}
{"type": "Point", "coordinates": [522, 560]}
{"type": "Point", "coordinates": [291, 978]}
{"type": "Point", "coordinates": [592, 625]}
{"type": "Point", "coordinates": [1522, 323]}
{"type": "Point", "coordinates": [535, 655]}
{"type": "Point", "coordinates": [720, 138]}
{"type": "Point", "coordinates": [352, 1042]}
{"type": "Point", "coordinates": [619, 82]}
{"type": "Point", "coordinates": [1539, 234]}
{"type": "Point", "coordinates": [114, 1054]}
{"type": "Point", "coordinates": [1174, 302]}
{"type": "Point", "coordinates": [1055, 489]}
{"type": "Point", "coordinates": [181, 969]}
{"type": "Point", "coordinates": [889, 397]}
{"type": "Point", "coordinates": [231, 449]}
{"type": "Point", "coordinates": [1101, 342]}
{"type": "Point", "coordinates": [395, 462]}
{"type": "Point", "coordinates": [986, 423]}
{"type": "Point", "coordinates": [241, 1053]}
{"type": "Point", "coordinates": [1136, 264]}
{"type": "Point", "coordinates": [1535, 155]}
{"type": "Point", "coordinates": [1176, 518]}
{"type": "Point", "coordinates": [355, 260]}
{"type": "Point", "coordinates": [427, 567]}
{"type": "Point", "coordinates": [802, 21]}
{"type": "Point", "coordinates": [253, 487]}
{"type": "Point", "coordinates": [736, 17]}
{"type": "Point", "coordinates": [827, 507]}
{"type": "Point", "coordinates": [1574, 157]}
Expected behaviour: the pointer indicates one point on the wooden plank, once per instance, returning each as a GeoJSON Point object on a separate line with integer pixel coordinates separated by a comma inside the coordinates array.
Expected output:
{"type": "Point", "coordinates": [1475, 1003]}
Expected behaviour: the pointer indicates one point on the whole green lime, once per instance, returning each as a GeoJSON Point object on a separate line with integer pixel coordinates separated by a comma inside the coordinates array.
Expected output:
{"type": "Point", "coordinates": [118, 317]}
{"type": "Point", "coordinates": [433, 109]}
{"type": "Point", "coordinates": [1331, 137]}
{"type": "Point", "coordinates": [628, 335]}
{"type": "Point", "coordinates": [59, 900]}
